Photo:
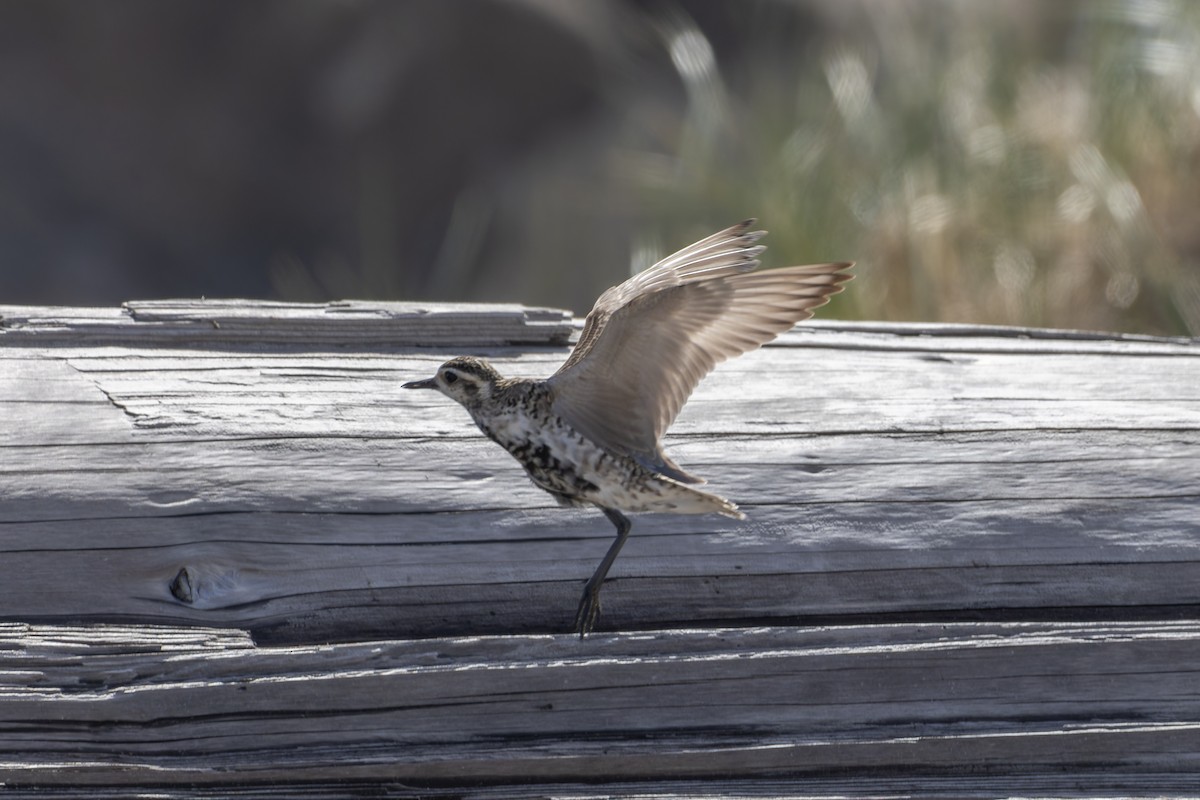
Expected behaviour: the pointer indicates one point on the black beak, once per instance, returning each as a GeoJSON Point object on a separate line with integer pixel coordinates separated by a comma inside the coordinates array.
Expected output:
{"type": "Point", "coordinates": [428, 383]}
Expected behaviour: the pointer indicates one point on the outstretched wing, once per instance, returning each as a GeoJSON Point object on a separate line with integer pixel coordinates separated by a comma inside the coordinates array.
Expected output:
{"type": "Point", "coordinates": [647, 343]}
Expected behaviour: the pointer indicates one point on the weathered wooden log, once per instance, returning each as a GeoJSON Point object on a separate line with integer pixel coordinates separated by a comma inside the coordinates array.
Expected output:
{"type": "Point", "coordinates": [234, 552]}
{"type": "Point", "coordinates": [973, 705]}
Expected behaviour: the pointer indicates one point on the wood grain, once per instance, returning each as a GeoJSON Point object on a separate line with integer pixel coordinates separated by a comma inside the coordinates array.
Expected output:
{"type": "Point", "coordinates": [258, 323]}
{"type": "Point", "coordinates": [981, 700]}
{"type": "Point", "coordinates": [241, 555]}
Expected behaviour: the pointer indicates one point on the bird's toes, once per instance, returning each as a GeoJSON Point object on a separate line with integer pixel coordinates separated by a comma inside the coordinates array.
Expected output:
{"type": "Point", "coordinates": [588, 613]}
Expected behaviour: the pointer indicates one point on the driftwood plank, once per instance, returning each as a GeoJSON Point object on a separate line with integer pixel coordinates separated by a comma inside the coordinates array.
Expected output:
{"type": "Point", "coordinates": [982, 702]}
{"type": "Point", "coordinates": [306, 495]}
{"type": "Point", "coordinates": [259, 323]}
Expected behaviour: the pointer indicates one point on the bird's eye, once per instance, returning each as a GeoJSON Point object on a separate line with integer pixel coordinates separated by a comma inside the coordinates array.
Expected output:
{"type": "Point", "coordinates": [450, 376]}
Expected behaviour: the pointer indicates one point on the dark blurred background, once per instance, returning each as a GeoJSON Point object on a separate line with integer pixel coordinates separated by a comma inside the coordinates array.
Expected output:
{"type": "Point", "coordinates": [1015, 161]}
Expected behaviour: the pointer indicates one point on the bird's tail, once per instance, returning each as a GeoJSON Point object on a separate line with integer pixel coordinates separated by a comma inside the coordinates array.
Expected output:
{"type": "Point", "coordinates": [679, 498]}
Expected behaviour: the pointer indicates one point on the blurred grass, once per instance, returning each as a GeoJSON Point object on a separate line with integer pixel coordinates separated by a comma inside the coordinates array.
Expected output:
{"type": "Point", "coordinates": [1009, 163]}
{"type": "Point", "coordinates": [1020, 162]}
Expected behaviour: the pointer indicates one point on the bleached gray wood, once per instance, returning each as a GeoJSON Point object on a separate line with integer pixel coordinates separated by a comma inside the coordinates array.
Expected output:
{"type": "Point", "coordinates": [260, 323]}
{"type": "Point", "coordinates": [988, 703]}
{"type": "Point", "coordinates": [877, 480]}
{"type": "Point", "coordinates": [257, 467]}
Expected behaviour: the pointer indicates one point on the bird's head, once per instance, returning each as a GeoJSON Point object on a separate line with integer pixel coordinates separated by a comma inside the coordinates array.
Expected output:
{"type": "Point", "coordinates": [468, 380]}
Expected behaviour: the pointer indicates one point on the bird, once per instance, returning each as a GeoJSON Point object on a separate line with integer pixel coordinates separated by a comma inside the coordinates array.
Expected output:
{"type": "Point", "coordinates": [591, 433]}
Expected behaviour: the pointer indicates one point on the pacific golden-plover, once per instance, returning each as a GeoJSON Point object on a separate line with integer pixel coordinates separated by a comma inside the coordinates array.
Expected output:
{"type": "Point", "coordinates": [590, 433]}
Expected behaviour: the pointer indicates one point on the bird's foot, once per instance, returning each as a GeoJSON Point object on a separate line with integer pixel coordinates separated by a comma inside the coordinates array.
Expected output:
{"type": "Point", "coordinates": [589, 610]}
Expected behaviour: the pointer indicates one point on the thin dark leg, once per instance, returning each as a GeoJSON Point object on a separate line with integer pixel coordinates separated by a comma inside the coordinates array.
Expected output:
{"type": "Point", "coordinates": [589, 604]}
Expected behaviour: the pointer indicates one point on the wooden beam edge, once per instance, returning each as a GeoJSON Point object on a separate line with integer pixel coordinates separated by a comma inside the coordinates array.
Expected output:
{"type": "Point", "coordinates": [312, 325]}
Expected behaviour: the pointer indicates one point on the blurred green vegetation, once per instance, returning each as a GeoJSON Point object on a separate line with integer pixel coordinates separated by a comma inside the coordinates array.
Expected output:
{"type": "Point", "coordinates": [1019, 162]}
{"type": "Point", "coordinates": [1030, 162]}
{"type": "Point", "coordinates": [1009, 163]}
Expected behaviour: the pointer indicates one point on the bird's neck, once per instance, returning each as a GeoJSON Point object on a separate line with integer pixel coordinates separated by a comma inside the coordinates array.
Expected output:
{"type": "Point", "coordinates": [509, 403]}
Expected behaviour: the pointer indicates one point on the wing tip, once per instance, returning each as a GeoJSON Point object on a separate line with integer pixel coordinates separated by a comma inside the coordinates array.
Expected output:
{"type": "Point", "coordinates": [743, 230]}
